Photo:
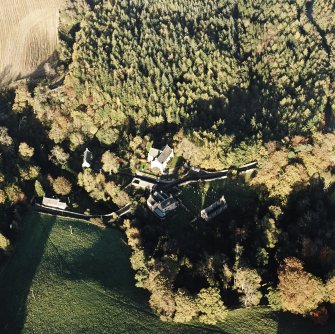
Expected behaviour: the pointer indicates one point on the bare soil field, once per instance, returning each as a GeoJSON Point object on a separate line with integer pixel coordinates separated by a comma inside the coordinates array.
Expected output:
{"type": "Point", "coordinates": [28, 36]}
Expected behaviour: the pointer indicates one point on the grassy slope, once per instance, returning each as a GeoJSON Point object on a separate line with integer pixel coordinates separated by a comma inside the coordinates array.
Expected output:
{"type": "Point", "coordinates": [82, 283]}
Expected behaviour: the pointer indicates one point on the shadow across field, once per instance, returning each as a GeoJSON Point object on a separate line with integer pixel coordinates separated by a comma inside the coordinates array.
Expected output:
{"type": "Point", "coordinates": [101, 262]}
{"type": "Point", "coordinates": [79, 282]}
{"type": "Point", "coordinates": [44, 68]}
{"type": "Point", "coordinates": [17, 277]}
{"type": "Point", "coordinates": [82, 282]}
{"type": "Point", "coordinates": [293, 324]}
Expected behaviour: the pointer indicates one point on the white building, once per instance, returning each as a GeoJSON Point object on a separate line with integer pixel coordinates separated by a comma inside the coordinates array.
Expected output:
{"type": "Point", "coordinates": [87, 159]}
{"type": "Point", "coordinates": [139, 183]}
{"type": "Point", "coordinates": [159, 159]}
{"type": "Point", "coordinates": [161, 203]}
{"type": "Point", "coordinates": [53, 203]}
{"type": "Point", "coordinates": [214, 210]}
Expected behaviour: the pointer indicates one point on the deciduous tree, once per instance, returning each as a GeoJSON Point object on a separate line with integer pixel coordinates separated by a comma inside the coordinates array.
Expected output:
{"type": "Point", "coordinates": [300, 292]}
{"type": "Point", "coordinates": [62, 186]}
{"type": "Point", "coordinates": [247, 281]}
{"type": "Point", "coordinates": [110, 162]}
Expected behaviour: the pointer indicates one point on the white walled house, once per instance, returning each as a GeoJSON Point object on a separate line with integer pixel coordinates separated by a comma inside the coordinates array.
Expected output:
{"type": "Point", "coordinates": [160, 159]}
{"type": "Point", "coordinates": [161, 203]}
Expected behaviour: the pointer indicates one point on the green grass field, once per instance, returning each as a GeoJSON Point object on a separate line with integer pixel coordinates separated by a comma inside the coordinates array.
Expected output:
{"type": "Point", "coordinates": [58, 282]}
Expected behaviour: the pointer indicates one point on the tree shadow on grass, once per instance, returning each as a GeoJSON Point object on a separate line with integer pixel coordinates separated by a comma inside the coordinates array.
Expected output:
{"type": "Point", "coordinates": [8, 75]}
{"type": "Point", "coordinates": [236, 224]}
{"type": "Point", "coordinates": [295, 324]}
{"type": "Point", "coordinates": [18, 274]}
{"type": "Point", "coordinates": [104, 261]}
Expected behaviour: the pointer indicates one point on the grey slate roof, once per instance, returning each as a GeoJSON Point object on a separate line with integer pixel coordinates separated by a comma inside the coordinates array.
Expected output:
{"type": "Point", "coordinates": [88, 155]}
{"type": "Point", "coordinates": [215, 209]}
{"type": "Point", "coordinates": [165, 154]}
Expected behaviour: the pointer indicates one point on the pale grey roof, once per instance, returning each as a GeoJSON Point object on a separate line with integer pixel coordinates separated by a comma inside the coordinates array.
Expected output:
{"type": "Point", "coordinates": [159, 203]}
{"type": "Point", "coordinates": [53, 203]}
{"type": "Point", "coordinates": [153, 152]}
{"type": "Point", "coordinates": [163, 157]}
{"type": "Point", "coordinates": [141, 183]}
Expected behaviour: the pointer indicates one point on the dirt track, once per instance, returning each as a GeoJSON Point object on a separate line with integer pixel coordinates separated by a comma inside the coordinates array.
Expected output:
{"type": "Point", "coordinates": [28, 35]}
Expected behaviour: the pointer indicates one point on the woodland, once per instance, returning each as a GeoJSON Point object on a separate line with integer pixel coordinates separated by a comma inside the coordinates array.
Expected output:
{"type": "Point", "coordinates": [224, 82]}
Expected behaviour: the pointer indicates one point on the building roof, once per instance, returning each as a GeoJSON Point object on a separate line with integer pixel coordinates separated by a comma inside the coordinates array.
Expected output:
{"type": "Point", "coordinates": [159, 213]}
{"type": "Point", "coordinates": [136, 182]}
{"type": "Point", "coordinates": [220, 202]}
{"type": "Point", "coordinates": [154, 152]}
{"type": "Point", "coordinates": [167, 202]}
{"type": "Point", "coordinates": [165, 154]}
{"type": "Point", "coordinates": [54, 203]}
{"type": "Point", "coordinates": [87, 156]}
{"type": "Point", "coordinates": [160, 196]}
{"type": "Point", "coordinates": [160, 203]}
{"type": "Point", "coordinates": [215, 209]}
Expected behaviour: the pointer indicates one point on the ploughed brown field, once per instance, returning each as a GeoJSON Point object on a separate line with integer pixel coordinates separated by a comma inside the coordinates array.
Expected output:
{"type": "Point", "coordinates": [28, 36]}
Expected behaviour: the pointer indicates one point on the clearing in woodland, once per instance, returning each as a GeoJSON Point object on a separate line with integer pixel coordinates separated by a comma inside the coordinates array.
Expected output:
{"type": "Point", "coordinates": [28, 36]}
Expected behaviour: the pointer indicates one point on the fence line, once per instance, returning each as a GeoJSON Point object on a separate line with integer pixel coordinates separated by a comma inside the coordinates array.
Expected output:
{"type": "Point", "coordinates": [70, 214]}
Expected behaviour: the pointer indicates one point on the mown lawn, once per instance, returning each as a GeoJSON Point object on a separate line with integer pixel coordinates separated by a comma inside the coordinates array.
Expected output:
{"type": "Point", "coordinates": [58, 282]}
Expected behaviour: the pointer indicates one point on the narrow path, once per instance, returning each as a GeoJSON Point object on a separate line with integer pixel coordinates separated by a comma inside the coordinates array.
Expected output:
{"type": "Point", "coordinates": [195, 175]}
{"type": "Point", "coordinates": [71, 214]}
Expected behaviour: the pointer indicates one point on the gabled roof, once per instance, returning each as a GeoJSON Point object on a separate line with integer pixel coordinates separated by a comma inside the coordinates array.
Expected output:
{"type": "Point", "coordinates": [163, 157]}
{"type": "Point", "coordinates": [167, 202]}
{"type": "Point", "coordinates": [154, 152]}
{"type": "Point", "coordinates": [161, 203]}
{"type": "Point", "coordinates": [54, 203]}
{"type": "Point", "coordinates": [215, 209]}
{"type": "Point", "coordinates": [87, 155]}
{"type": "Point", "coordinates": [87, 159]}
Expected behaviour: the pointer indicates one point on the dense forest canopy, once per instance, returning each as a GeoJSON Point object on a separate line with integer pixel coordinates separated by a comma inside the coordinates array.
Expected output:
{"type": "Point", "coordinates": [248, 70]}
{"type": "Point", "coordinates": [224, 82]}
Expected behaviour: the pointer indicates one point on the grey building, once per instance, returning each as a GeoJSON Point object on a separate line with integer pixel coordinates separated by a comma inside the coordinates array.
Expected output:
{"type": "Point", "coordinates": [161, 203]}
{"type": "Point", "coordinates": [214, 210]}
{"type": "Point", "coordinates": [87, 159]}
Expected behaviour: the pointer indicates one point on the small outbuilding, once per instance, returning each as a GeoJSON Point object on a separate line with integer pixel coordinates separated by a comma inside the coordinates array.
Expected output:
{"type": "Point", "coordinates": [139, 183]}
{"type": "Point", "coordinates": [214, 210]}
{"type": "Point", "coordinates": [159, 159]}
{"type": "Point", "coordinates": [53, 203]}
{"type": "Point", "coordinates": [87, 158]}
